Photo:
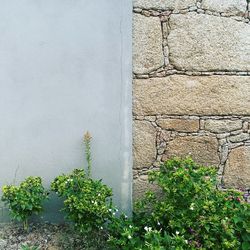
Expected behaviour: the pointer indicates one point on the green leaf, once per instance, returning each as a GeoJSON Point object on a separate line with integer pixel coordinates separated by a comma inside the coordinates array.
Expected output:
{"type": "Point", "coordinates": [245, 246]}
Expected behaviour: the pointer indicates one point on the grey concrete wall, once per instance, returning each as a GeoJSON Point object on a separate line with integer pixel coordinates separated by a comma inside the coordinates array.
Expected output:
{"type": "Point", "coordinates": [65, 68]}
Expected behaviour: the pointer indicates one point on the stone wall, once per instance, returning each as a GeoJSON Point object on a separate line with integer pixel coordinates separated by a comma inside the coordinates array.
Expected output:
{"type": "Point", "coordinates": [191, 89]}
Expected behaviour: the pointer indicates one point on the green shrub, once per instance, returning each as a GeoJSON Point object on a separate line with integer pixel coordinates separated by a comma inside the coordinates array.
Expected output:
{"type": "Point", "coordinates": [125, 233]}
{"type": "Point", "coordinates": [26, 199]}
{"type": "Point", "coordinates": [188, 213]}
{"type": "Point", "coordinates": [87, 202]}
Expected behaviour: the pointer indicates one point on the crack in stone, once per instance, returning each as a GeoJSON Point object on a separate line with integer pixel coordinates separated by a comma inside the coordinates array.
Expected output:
{"type": "Point", "coordinates": [161, 72]}
{"type": "Point", "coordinates": [168, 12]}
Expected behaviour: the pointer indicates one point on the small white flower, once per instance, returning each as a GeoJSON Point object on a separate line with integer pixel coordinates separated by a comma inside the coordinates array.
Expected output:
{"type": "Point", "coordinates": [130, 226]}
{"type": "Point", "coordinates": [129, 237]}
{"type": "Point", "coordinates": [92, 201]}
{"type": "Point", "coordinates": [186, 241]}
{"type": "Point", "coordinates": [116, 210]}
{"type": "Point", "coordinates": [99, 194]}
{"type": "Point", "coordinates": [177, 232]}
{"type": "Point", "coordinates": [191, 206]}
{"type": "Point", "coordinates": [101, 228]}
{"type": "Point", "coordinates": [148, 229]}
{"type": "Point", "coordinates": [114, 213]}
{"type": "Point", "coordinates": [110, 210]}
{"type": "Point", "coordinates": [125, 216]}
{"type": "Point", "coordinates": [95, 203]}
{"type": "Point", "coordinates": [158, 223]}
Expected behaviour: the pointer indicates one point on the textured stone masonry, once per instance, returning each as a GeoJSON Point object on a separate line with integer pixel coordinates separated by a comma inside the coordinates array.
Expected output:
{"type": "Point", "coordinates": [147, 44]}
{"type": "Point", "coordinates": [222, 126]}
{"type": "Point", "coordinates": [237, 170]}
{"type": "Point", "coordinates": [201, 42]}
{"type": "Point", "coordinates": [191, 93]}
{"type": "Point", "coordinates": [228, 6]}
{"type": "Point", "coordinates": [144, 144]}
{"type": "Point", "coordinates": [164, 4]}
{"type": "Point", "coordinates": [203, 149]}
{"type": "Point", "coordinates": [180, 125]}
{"type": "Point", "coordinates": [141, 184]}
{"type": "Point", "coordinates": [207, 146]}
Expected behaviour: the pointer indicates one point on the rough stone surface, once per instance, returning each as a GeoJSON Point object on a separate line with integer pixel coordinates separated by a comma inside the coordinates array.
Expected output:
{"type": "Point", "coordinates": [208, 43]}
{"type": "Point", "coordinates": [188, 95]}
{"type": "Point", "coordinates": [141, 185]}
{"type": "Point", "coordinates": [203, 149]}
{"type": "Point", "coordinates": [147, 44]}
{"type": "Point", "coordinates": [180, 125]}
{"type": "Point", "coordinates": [239, 138]}
{"type": "Point", "coordinates": [201, 105]}
{"type": "Point", "coordinates": [237, 170]}
{"type": "Point", "coordinates": [164, 4]}
{"type": "Point", "coordinates": [222, 126]}
{"type": "Point", "coordinates": [144, 149]}
{"type": "Point", "coordinates": [229, 6]}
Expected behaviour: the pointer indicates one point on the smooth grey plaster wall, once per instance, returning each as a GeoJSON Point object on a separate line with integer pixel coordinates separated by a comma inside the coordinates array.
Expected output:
{"type": "Point", "coordinates": [65, 67]}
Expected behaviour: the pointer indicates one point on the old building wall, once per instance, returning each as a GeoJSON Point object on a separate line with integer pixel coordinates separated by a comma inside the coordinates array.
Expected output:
{"type": "Point", "coordinates": [191, 88]}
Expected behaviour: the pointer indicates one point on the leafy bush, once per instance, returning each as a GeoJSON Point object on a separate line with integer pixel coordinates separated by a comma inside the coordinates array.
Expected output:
{"type": "Point", "coordinates": [85, 199]}
{"type": "Point", "coordinates": [190, 213]}
{"type": "Point", "coordinates": [125, 233]}
{"type": "Point", "coordinates": [26, 199]}
{"type": "Point", "coordinates": [87, 202]}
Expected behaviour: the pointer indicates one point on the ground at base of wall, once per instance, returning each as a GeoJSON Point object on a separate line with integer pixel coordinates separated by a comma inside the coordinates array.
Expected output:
{"type": "Point", "coordinates": [46, 236]}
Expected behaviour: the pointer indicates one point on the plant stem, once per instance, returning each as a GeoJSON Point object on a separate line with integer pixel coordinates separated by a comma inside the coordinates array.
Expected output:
{"type": "Point", "coordinates": [87, 141]}
{"type": "Point", "coordinates": [25, 224]}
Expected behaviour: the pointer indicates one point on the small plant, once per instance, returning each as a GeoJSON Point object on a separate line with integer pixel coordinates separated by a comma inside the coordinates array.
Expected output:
{"type": "Point", "coordinates": [28, 247]}
{"type": "Point", "coordinates": [26, 199]}
{"type": "Point", "coordinates": [87, 202]}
